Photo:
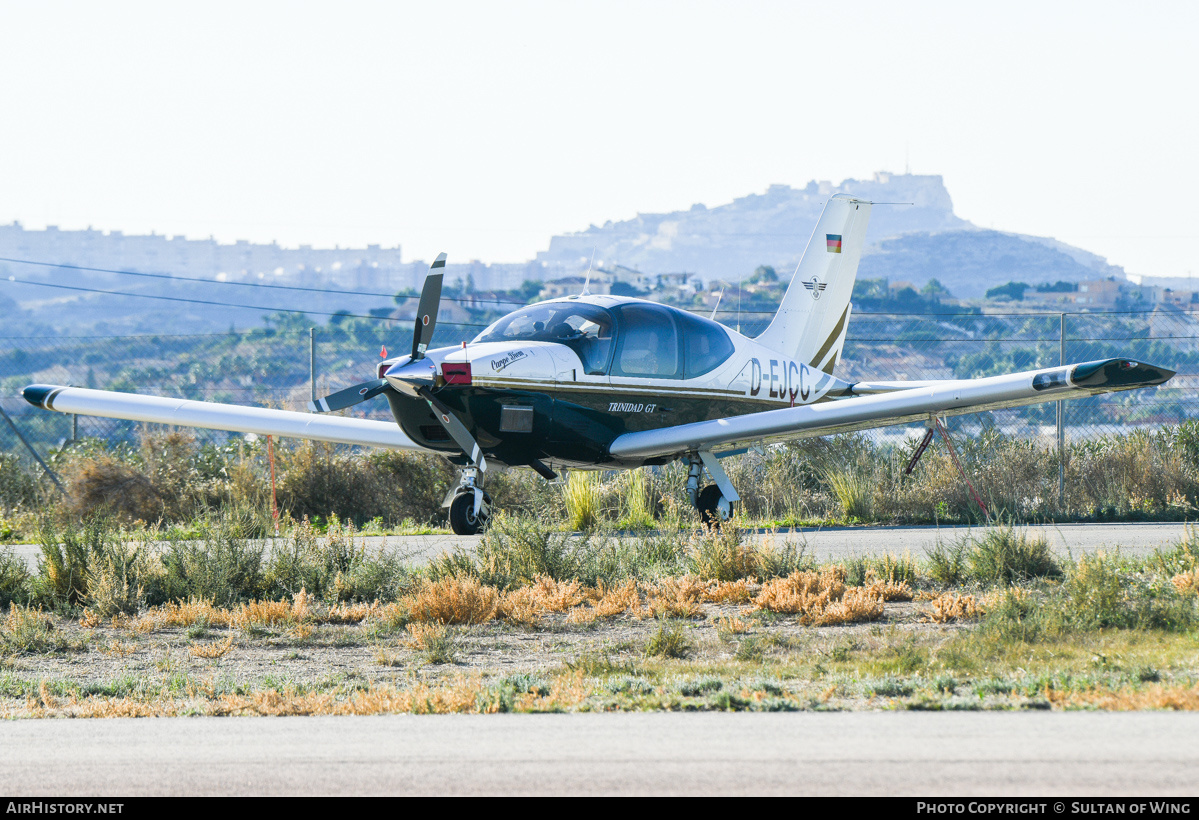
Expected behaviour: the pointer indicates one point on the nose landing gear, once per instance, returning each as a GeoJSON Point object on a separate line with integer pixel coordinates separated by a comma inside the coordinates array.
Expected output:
{"type": "Point", "coordinates": [469, 506]}
{"type": "Point", "coordinates": [464, 519]}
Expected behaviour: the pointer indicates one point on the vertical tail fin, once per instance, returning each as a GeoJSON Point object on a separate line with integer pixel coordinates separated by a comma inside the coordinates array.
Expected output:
{"type": "Point", "coordinates": [813, 317]}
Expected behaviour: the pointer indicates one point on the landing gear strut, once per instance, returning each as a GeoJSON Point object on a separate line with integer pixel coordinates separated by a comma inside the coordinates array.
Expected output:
{"type": "Point", "coordinates": [714, 502]}
{"type": "Point", "coordinates": [469, 506]}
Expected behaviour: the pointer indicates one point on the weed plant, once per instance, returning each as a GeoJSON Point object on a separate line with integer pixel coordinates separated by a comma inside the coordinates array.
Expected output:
{"type": "Point", "coordinates": [582, 496]}
{"type": "Point", "coordinates": [670, 641]}
{"type": "Point", "coordinates": [1005, 554]}
{"type": "Point", "coordinates": [14, 578]}
{"type": "Point", "coordinates": [517, 550]}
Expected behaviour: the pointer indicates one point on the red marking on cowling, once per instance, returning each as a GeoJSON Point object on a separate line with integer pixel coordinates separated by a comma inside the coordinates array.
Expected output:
{"type": "Point", "coordinates": [456, 372]}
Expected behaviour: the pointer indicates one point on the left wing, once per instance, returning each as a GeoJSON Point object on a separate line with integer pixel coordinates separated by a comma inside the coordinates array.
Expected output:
{"type": "Point", "coordinates": [214, 416]}
{"type": "Point", "coordinates": [899, 406]}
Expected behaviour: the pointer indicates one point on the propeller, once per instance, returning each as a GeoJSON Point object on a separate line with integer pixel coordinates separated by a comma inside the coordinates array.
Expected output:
{"type": "Point", "coordinates": [454, 427]}
{"type": "Point", "coordinates": [426, 311]}
{"type": "Point", "coordinates": [349, 397]}
{"type": "Point", "coordinates": [416, 379]}
{"type": "Point", "coordinates": [426, 321]}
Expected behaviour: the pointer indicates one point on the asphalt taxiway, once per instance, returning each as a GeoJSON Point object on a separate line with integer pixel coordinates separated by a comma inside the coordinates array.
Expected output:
{"type": "Point", "coordinates": [851, 753]}
{"type": "Point", "coordinates": [837, 543]}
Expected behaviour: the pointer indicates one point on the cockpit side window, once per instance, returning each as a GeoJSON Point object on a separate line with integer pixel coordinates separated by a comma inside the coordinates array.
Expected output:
{"type": "Point", "coordinates": [707, 344]}
{"type": "Point", "coordinates": [585, 329]}
{"type": "Point", "coordinates": [649, 344]}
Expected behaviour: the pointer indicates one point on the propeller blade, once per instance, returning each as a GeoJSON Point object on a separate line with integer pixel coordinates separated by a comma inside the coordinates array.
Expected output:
{"type": "Point", "coordinates": [455, 428]}
{"type": "Point", "coordinates": [426, 311]}
{"type": "Point", "coordinates": [348, 397]}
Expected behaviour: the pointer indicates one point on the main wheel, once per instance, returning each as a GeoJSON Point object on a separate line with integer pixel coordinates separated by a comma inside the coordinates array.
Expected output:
{"type": "Point", "coordinates": [713, 508]}
{"type": "Point", "coordinates": [463, 520]}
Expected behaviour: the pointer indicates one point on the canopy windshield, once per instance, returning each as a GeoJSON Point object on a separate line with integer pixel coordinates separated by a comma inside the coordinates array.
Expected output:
{"type": "Point", "coordinates": [586, 329]}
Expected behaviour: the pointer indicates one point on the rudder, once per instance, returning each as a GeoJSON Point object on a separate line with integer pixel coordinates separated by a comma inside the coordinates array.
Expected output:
{"type": "Point", "coordinates": [812, 319]}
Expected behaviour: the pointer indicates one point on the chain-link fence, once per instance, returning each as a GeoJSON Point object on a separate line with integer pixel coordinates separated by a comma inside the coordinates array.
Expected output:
{"type": "Point", "coordinates": [282, 367]}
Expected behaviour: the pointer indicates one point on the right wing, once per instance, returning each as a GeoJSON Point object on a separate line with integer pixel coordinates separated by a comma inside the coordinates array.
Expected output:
{"type": "Point", "coordinates": [900, 406]}
{"type": "Point", "coordinates": [214, 416]}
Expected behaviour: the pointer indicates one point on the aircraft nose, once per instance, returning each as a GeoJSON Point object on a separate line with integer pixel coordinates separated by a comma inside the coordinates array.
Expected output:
{"type": "Point", "coordinates": [408, 376]}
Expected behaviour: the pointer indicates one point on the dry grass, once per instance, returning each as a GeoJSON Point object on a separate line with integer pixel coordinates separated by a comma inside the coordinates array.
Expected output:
{"type": "Point", "coordinates": [730, 626]}
{"type": "Point", "coordinates": [889, 590]}
{"type": "Point", "coordinates": [952, 607]}
{"type": "Point", "coordinates": [677, 597]}
{"type": "Point", "coordinates": [820, 598]}
{"type": "Point", "coordinates": [185, 614]}
{"type": "Point", "coordinates": [211, 650]}
{"type": "Point", "coordinates": [618, 600]}
{"type": "Point", "coordinates": [89, 619]}
{"type": "Point", "coordinates": [1150, 696]}
{"type": "Point", "coordinates": [732, 592]}
{"type": "Point", "coordinates": [1187, 582]}
{"type": "Point", "coordinates": [801, 592]}
{"type": "Point", "coordinates": [455, 601]}
{"type": "Point", "coordinates": [275, 613]}
{"type": "Point", "coordinates": [118, 649]}
{"type": "Point", "coordinates": [524, 605]}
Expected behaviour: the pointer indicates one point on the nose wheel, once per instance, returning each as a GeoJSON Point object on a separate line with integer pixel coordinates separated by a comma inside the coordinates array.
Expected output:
{"type": "Point", "coordinates": [713, 507]}
{"type": "Point", "coordinates": [464, 520]}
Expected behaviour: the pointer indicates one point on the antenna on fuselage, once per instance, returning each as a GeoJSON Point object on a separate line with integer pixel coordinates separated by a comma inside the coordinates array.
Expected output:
{"type": "Point", "coordinates": [587, 281]}
{"type": "Point", "coordinates": [717, 307]}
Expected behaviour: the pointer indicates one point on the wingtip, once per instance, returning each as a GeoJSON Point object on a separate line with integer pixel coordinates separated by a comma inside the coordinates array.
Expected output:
{"type": "Point", "coordinates": [40, 395]}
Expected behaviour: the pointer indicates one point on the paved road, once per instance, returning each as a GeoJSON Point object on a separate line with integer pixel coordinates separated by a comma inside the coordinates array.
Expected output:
{"type": "Point", "coordinates": [835, 543]}
{"type": "Point", "coordinates": [808, 753]}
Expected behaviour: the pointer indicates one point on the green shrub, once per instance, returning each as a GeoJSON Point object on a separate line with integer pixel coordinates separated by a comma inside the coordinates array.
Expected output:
{"type": "Point", "coordinates": [18, 484]}
{"type": "Point", "coordinates": [90, 564]}
{"type": "Point", "coordinates": [223, 565]}
{"type": "Point", "coordinates": [670, 641]}
{"type": "Point", "coordinates": [29, 631]}
{"type": "Point", "coordinates": [888, 687]}
{"type": "Point", "coordinates": [582, 497]}
{"type": "Point", "coordinates": [301, 559]}
{"type": "Point", "coordinates": [1005, 555]}
{"type": "Point", "coordinates": [1101, 592]}
{"type": "Point", "coordinates": [516, 550]}
{"type": "Point", "coordinates": [946, 563]}
{"type": "Point", "coordinates": [14, 578]}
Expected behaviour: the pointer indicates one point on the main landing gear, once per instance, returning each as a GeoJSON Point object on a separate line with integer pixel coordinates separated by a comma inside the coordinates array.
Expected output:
{"type": "Point", "coordinates": [715, 501]}
{"type": "Point", "coordinates": [469, 506]}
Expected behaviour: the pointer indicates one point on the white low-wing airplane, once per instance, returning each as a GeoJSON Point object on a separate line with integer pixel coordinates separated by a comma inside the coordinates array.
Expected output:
{"type": "Point", "coordinates": [608, 382]}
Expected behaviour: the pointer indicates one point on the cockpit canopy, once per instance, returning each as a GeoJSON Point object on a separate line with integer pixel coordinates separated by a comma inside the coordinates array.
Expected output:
{"type": "Point", "coordinates": [649, 340]}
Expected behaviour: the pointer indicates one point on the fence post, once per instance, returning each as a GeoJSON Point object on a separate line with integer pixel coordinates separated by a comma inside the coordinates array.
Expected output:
{"type": "Point", "coordinates": [33, 452]}
{"type": "Point", "coordinates": [1061, 426]}
{"type": "Point", "coordinates": [312, 363]}
{"type": "Point", "coordinates": [74, 427]}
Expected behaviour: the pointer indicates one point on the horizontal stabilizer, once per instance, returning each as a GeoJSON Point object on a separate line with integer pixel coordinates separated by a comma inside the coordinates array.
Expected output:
{"type": "Point", "coordinates": [214, 416]}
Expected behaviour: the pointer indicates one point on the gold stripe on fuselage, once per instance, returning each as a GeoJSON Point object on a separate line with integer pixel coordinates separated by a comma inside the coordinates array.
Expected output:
{"type": "Point", "coordinates": [582, 387]}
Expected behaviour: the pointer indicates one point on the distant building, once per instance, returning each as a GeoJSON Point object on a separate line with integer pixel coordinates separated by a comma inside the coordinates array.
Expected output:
{"type": "Point", "coordinates": [372, 267]}
{"type": "Point", "coordinates": [1104, 292]}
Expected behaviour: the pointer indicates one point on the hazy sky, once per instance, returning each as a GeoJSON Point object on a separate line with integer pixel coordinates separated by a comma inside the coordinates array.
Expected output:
{"type": "Point", "coordinates": [483, 128]}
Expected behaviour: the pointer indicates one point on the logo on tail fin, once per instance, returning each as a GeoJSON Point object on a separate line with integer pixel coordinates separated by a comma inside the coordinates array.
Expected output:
{"type": "Point", "coordinates": [833, 242]}
{"type": "Point", "coordinates": [816, 287]}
